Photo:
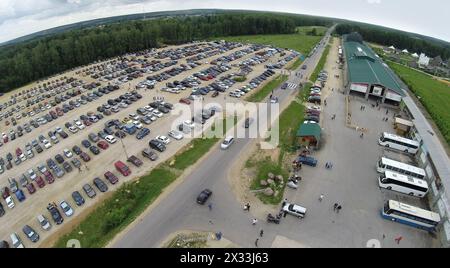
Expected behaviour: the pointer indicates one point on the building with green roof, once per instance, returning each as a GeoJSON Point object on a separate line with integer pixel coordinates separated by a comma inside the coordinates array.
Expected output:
{"type": "Point", "coordinates": [308, 134]}
{"type": "Point", "coordinates": [367, 74]}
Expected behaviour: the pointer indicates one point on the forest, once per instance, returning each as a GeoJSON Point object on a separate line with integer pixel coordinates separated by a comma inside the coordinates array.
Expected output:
{"type": "Point", "coordinates": [402, 40]}
{"type": "Point", "coordinates": [36, 59]}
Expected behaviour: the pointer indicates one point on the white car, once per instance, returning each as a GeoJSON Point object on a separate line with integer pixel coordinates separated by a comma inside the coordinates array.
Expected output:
{"type": "Point", "coordinates": [22, 157]}
{"type": "Point", "coordinates": [43, 222]}
{"type": "Point", "coordinates": [175, 134]}
{"type": "Point", "coordinates": [295, 210]}
{"type": "Point", "coordinates": [66, 208]}
{"type": "Point", "coordinates": [227, 142]}
{"type": "Point", "coordinates": [32, 174]}
{"type": "Point", "coordinates": [134, 116]}
{"type": "Point", "coordinates": [59, 129]}
{"type": "Point", "coordinates": [47, 144]}
{"type": "Point", "coordinates": [157, 113]}
{"type": "Point", "coordinates": [163, 139]}
{"type": "Point", "coordinates": [189, 123]}
{"type": "Point", "coordinates": [123, 105]}
{"type": "Point", "coordinates": [10, 202]}
{"type": "Point", "coordinates": [79, 124]}
{"type": "Point", "coordinates": [138, 124]}
{"type": "Point", "coordinates": [67, 153]}
{"type": "Point", "coordinates": [73, 129]}
{"type": "Point", "coordinates": [148, 109]}
{"type": "Point", "coordinates": [110, 139]}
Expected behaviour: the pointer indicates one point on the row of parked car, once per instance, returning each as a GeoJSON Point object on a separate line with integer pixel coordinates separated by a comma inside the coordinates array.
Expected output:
{"type": "Point", "coordinates": [315, 91]}
{"type": "Point", "coordinates": [254, 83]}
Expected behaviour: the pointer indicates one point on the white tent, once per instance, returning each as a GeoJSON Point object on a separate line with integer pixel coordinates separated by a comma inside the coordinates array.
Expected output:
{"type": "Point", "coordinates": [392, 47]}
{"type": "Point", "coordinates": [415, 55]}
{"type": "Point", "coordinates": [405, 51]}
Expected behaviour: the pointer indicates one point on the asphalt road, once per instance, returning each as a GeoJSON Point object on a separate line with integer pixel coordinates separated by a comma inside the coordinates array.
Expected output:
{"type": "Point", "coordinates": [179, 211]}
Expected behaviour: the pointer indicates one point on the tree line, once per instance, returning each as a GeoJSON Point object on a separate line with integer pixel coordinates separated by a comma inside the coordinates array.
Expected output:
{"type": "Point", "coordinates": [399, 39]}
{"type": "Point", "coordinates": [40, 58]}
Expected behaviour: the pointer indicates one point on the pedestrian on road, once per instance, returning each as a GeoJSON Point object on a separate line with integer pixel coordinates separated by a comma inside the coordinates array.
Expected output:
{"type": "Point", "coordinates": [284, 202]}
{"type": "Point", "coordinates": [254, 221]}
{"type": "Point", "coordinates": [256, 242]}
{"type": "Point", "coordinates": [362, 135]}
{"type": "Point", "coordinates": [261, 233]}
{"type": "Point", "coordinates": [398, 239]}
{"type": "Point", "coordinates": [335, 206]}
{"type": "Point", "coordinates": [210, 206]}
{"type": "Point", "coordinates": [247, 207]}
{"type": "Point", "coordinates": [321, 198]}
{"type": "Point", "coordinates": [387, 111]}
{"type": "Point", "coordinates": [338, 208]}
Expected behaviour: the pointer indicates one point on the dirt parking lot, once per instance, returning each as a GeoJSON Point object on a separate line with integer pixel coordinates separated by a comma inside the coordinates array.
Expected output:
{"type": "Point", "coordinates": [61, 189]}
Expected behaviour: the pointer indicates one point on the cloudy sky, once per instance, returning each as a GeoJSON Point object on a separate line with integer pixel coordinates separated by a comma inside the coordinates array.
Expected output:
{"type": "Point", "coordinates": [22, 17]}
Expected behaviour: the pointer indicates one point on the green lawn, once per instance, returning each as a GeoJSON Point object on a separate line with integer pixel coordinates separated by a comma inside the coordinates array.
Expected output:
{"type": "Point", "coordinates": [320, 65]}
{"type": "Point", "coordinates": [300, 41]}
{"type": "Point", "coordinates": [295, 65]}
{"type": "Point", "coordinates": [262, 93]}
{"type": "Point", "coordinates": [434, 95]}
{"type": "Point", "coordinates": [320, 30]}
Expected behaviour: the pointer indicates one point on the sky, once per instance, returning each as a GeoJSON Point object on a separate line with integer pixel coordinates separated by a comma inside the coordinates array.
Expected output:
{"type": "Point", "coordinates": [431, 17]}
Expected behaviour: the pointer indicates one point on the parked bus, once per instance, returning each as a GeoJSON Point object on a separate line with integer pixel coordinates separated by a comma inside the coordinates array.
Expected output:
{"type": "Point", "coordinates": [399, 143]}
{"type": "Point", "coordinates": [398, 167]}
{"type": "Point", "coordinates": [410, 215]}
{"type": "Point", "coordinates": [403, 184]}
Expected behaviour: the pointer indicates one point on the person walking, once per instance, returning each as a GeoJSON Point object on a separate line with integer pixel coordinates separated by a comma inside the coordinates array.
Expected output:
{"type": "Point", "coordinates": [398, 239]}
{"type": "Point", "coordinates": [335, 206]}
{"type": "Point", "coordinates": [284, 202]}
{"type": "Point", "coordinates": [254, 221]}
{"type": "Point", "coordinates": [362, 135]}
{"type": "Point", "coordinates": [256, 242]}
{"type": "Point", "coordinates": [210, 206]}
{"type": "Point", "coordinates": [247, 207]}
{"type": "Point", "coordinates": [261, 233]}
{"type": "Point", "coordinates": [321, 197]}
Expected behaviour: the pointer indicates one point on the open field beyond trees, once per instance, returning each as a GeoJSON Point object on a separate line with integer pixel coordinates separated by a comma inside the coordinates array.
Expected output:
{"type": "Point", "coordinates": [434, 95]}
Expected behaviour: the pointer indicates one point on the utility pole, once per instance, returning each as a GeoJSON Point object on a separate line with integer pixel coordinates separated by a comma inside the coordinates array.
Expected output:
{"type": "Point", "coordinates": [124, 148]}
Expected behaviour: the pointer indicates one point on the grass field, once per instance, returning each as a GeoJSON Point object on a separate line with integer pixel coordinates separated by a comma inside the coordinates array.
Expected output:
{"type": "Point", "coordinates": [299, 41]}
{"type": "Point", "coordinates": [262, 93]}
{"type": "Point", "coordinates": [320, 65]}
{"type": "Point", "coordinates": [320, 30]}
{"type": "Point", "coordinates": [434, 95]}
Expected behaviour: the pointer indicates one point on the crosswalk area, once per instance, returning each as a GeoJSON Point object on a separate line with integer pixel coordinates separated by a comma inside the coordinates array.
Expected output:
{"type": "Point", "coordinates": [291, 85]}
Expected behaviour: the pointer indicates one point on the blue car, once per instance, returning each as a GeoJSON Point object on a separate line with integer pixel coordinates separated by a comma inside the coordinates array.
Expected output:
{"type": "Point", "coordinates": [142, 133]}
{"type": "Point", "coordinates": [20, 195]}
{"type": "Point", "coordinates": [307, 160]}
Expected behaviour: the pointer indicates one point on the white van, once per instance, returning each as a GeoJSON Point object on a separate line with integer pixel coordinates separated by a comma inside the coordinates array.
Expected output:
{"type": "Point", "coordinates": [16, 241]}
{"type": "Point", "coordinates": [295, 210]}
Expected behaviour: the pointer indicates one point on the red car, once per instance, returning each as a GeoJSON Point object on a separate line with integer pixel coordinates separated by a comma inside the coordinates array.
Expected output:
{"type": "Point", "coordinates": [111, 177]}
{"type": "Point", "coordinates": [85, 157]}
{"type": "Point", "coordinates": [122, 168]}
{"type": "Point", "coordinates": [40, 181]}
{"type": "Point", "coordinates": [103, 145]}
{"type": "Point", "coordinates": [60, 113]}
{"type": "Point", "coordinates": [30, 187]}
{"type": "Point", "coordinates": [185, 101]}
{"type": "Point", "coordinates": [18, 152]}
{"type": "Point", "coordinates": [87, 122]}
{"type": "Point", "coordinates": [5, 192]}
{"type": "Point", "coordinates": [5, 139]}
{"type": "Point", "coordinates": [49, 177]}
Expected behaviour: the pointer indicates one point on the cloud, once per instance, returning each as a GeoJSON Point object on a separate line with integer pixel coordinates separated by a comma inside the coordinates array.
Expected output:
{"type": "Point", "coordinates": [374, 1]}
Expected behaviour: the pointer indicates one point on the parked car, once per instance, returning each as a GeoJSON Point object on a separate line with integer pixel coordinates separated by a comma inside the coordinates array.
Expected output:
{"type": "Point", "coordinates": [30, 233]}
{"type": "Point", "coordinates": [157, 145]}
{"type": "Point", "coordinates": [111, 177]}
{"type": "Point", "coordinates": [294, 209]}
{"type": "Point", "coordinates": [101, 185]}
{"type": "Point", "coordinates": [43, 222]}
{"type": "Point", "coordinates": [78, 198]}
{"type": "Point", "coordinates": [227, 142]}
{"type": "Point", "coordinates": [150, 154]}
{"type": "Point", "coordinates": [90, 192]}
{"type": "Point", "coordinates": [122, 168]}
{"type": "Point", "coordinates": [135, 161]}
{"type": "Point", "coordinates": [66, 208]}
{"type": "Point", "coordinates": [307, 160]}
{"type": "Point", "coordinates": [16, 241]}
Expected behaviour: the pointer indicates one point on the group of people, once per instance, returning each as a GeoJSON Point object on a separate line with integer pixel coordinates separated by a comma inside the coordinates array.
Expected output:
{"type": "Point", "coordinates": [337, 207]}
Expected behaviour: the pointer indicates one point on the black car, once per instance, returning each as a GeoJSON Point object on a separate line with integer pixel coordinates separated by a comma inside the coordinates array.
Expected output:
{"type": "Point", "coordinates": [108, 131]}
{"type": "Point", "coordinates": [94, 150]}
{"type": "Point", "coordinates": [86, 144]}
{"type": "Point", "coordinates": [203, 196]}
{"type": "Point", "coordinates": [76, 150]}
{"type": "Point", "coordinates": [150, 154]}
{"type": "Point", "coordinates": [67, 167]}
{"type": "Point", "coordinates": [78, 198]}
{"type": "Point", "coordinates": [63, 134]}
{"type": "Point", "coordinates": [120, 134]}
{"type": "Point", "coordinates": [101, 185]}
{"type": "Point", "coordinates": [59, 159]}
{"type": "Point", "coordinates": [142, 133]}
{"type": "Point", "coordinates": [76, 163]}
{"type": "Point", "coordinates": [157, 145]}
{"type": "Point", "coordinates": [56, 215]}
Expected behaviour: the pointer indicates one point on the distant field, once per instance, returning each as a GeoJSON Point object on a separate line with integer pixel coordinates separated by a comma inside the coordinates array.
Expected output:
{"type": "Point", "coordinates": [320, 30]}
{"type": "Point", "coordinates": [299, 41]}
{"type": "Point", "coordinates": [434, 95]}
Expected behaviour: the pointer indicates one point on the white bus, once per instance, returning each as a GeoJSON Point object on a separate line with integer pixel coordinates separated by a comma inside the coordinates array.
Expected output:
{"type": "Point", "coordinates": [398, 167]}
{"type": "Point", "coordinates": [413, 216]}
{"type": "Point", "coordinates": [403, 184]}
{"type": "Point", "coordinates": [399, 143]}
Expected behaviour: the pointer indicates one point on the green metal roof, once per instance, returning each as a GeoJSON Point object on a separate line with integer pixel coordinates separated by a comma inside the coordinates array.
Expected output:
{"type": "Point", "coordinates": [309, 129]}
{"type": "Point", "coordinates": [365, 67]}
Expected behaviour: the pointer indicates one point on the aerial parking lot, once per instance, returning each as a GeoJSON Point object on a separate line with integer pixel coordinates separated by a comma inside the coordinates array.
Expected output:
{"type": "Point", "coordinates": [91, 117]}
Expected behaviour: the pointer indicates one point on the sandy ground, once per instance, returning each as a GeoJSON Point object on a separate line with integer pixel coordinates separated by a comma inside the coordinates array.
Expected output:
{"type": "Point", "coordinates": [211, 241]}
{"type": "Point", "coordinates": [25, 213]}
{"type": "Point", "coordinates": [284, 242]}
